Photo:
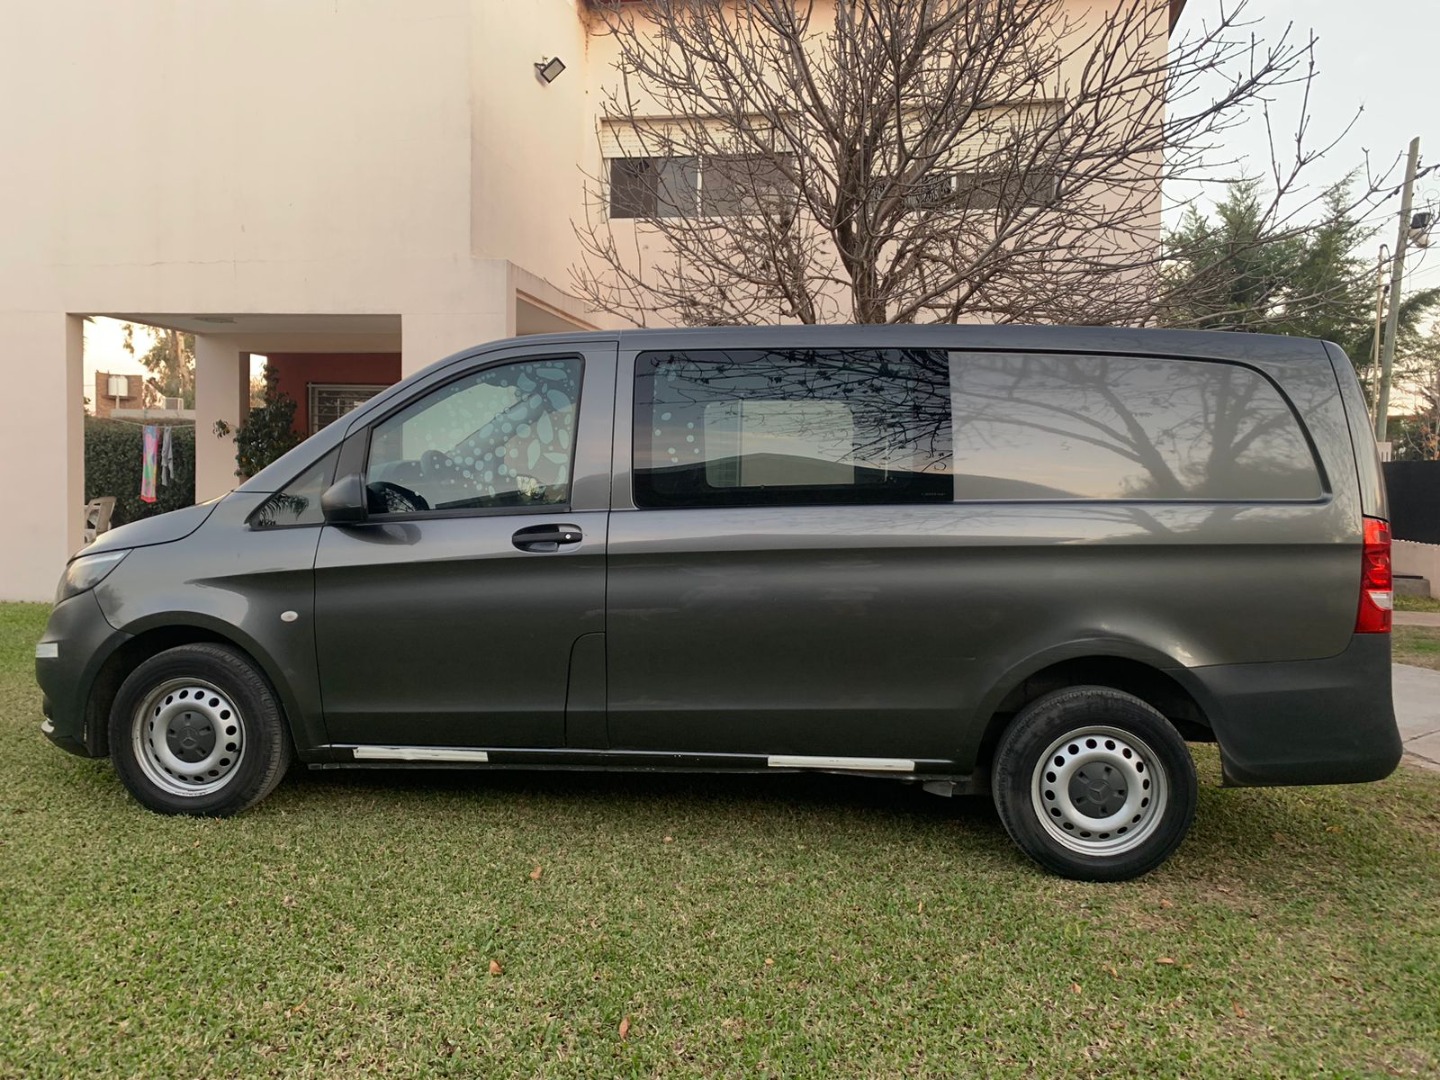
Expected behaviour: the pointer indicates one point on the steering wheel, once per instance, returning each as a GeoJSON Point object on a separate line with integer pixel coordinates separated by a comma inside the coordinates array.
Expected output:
{"type": "Point", "coordinates": [394, 499]}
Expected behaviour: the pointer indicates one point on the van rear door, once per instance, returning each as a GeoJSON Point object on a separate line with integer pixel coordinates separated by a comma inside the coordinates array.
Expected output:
{"type": "Point", "coordinates": [1373, 502]}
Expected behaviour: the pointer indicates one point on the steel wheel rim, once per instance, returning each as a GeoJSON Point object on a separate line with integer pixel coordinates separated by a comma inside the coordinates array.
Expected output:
{"type": "Point", "coordinates": [1099, 791]}
{"type": "Point", "coordinates": [188, 737]}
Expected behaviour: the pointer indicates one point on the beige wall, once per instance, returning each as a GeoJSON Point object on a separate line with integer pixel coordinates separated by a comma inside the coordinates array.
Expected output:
{"type": "Point", "coordinates": [335, 157]}
{"type": "Point", "coordinates": [1418, 560]}
{"type": "Point", "coordinates": [41, 448]}
{"type": "Point", "coordinates": [262, 160]}
{"type": "Point", "coordinates": [280, 153]}
{"type": "Point", "coordinates": [528, 136]}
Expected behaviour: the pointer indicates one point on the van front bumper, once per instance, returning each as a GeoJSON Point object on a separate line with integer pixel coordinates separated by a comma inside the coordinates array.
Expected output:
{"type": "Point", "coordinates": [76, 643]}
{"type": "Point", "coordinates": [1329, 721]}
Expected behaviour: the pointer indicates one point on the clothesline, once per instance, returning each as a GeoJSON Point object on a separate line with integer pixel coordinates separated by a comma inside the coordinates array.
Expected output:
{"type": "Point", "coordinates": [144, 423]}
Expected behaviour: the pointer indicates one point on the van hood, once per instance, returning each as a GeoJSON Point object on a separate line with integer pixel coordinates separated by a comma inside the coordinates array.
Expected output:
{"type": "Point", "coordinates": [147, 532]}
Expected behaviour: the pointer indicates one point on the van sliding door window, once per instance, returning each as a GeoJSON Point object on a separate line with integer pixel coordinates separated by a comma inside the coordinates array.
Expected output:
{"type": "Point", "coordinates": [1124, 428]}
{"type": "Point", "coordinates": [792, 427]}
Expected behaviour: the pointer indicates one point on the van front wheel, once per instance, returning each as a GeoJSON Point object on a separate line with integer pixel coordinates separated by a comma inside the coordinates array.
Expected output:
{"type": "Point", "coordinates": [196, 730]}
{"type": "Point", "coordinates": [1094, 784]}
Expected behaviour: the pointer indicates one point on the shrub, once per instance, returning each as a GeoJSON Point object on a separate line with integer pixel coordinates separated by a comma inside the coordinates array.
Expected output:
{"type": "Point", "coordinates": [268, 432]}
{"type": "Point", "coordinates": [114, 453]}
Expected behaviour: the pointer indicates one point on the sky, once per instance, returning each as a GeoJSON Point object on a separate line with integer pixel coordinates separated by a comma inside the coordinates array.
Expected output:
{"type": "Point", "coordinates": [1377, 57]}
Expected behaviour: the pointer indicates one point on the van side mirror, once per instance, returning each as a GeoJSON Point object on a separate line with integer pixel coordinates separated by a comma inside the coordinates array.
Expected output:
{"type": "Point", "coordinates": [344, 501]}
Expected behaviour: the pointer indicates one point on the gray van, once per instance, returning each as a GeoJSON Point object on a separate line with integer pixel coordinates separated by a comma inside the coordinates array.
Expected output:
{"type": "Point", "coordinates": [1031, 562]}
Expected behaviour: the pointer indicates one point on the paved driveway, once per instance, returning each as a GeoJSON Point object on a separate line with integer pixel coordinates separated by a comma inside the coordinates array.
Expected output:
{"type": "Point", "coordinates": [1417, 709]}
{"type": "Point", "coordinates": [1417, 618]}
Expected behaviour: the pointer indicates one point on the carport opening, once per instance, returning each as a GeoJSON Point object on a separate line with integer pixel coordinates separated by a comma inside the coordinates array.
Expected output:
{"type": "Point", "coordinates": [139, 426]}
{"type": "Point", "coordinates": [157, 386]}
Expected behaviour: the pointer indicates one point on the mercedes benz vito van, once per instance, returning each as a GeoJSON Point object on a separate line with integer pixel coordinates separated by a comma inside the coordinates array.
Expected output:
{"type": "Point", "coordinates": [1028, 562]}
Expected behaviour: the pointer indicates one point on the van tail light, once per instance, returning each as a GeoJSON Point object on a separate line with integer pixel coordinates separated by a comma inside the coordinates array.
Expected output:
{"type": "Point", "coordinates": [1377, 584]}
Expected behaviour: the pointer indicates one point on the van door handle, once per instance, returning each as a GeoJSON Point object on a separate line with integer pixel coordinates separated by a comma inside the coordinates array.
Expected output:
{"type": "Point", "coordinates": [541, 538]}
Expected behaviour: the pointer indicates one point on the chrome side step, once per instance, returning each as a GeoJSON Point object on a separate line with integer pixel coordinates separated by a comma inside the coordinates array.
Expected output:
{"type": "Point", "coordinates": [503, 757]}
{"type": "Point", "coordinates": [861, 764]}
{"type": "Point", "coordinates": [420, 753]}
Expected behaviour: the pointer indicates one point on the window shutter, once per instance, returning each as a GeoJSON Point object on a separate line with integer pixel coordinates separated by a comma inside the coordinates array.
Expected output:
{"type": "Point", "coordinates": [669, 137]}
{"type": "Point", "coordinates": [640, 138]}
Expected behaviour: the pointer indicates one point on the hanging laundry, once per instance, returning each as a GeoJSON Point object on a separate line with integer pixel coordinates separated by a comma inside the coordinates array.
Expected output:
{"type": "Point", "coordinates": [167, 457]}
{"type": "Point", "coordinates": [147, 463]}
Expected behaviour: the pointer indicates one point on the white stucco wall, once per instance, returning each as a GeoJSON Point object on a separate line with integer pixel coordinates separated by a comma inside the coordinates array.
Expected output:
{"type": "Point", "coordinates": [528, 136]}
{"type": "Point", "coordinates": [200, 154]}
{"type": "Point", "coordinates": [1417, 560]}
{"type": "Point", "coordinates": [338, 157]}
{"type": "Point", "coordinates": [392, 159]}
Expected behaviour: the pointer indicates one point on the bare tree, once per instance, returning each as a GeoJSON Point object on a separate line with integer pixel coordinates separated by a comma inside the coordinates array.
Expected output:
{"type": "Point", "coordinates": [908, 160]}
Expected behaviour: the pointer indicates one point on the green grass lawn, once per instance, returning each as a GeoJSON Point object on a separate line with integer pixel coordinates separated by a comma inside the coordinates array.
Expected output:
{"type": "Point", "coordinates": [742, 926]}
{"type": "Point", "coordinates": [1418, 645]}
{"type": "Point", "coordinates": [1416, 603]}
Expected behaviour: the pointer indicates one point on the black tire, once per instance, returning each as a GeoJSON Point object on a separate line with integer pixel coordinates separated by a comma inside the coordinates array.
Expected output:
{"type": "Point", "coordinates": [197, 730]}
{"type": "Point", "coordinates": [1118, 787]}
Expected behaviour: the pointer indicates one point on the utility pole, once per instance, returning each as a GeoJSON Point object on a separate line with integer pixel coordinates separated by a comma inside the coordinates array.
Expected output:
{"type": "Point", "coordinates": [1372, 373]}
{"type": "Point", "coordinates": [1397, 277]}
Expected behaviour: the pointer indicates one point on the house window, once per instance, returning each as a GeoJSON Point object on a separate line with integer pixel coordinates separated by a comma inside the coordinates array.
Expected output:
{"type": "Point", "coordinates": [654, 187]}
{"type": "Point", "coordinates": [989, 191]}
{"type": "Point", "coordinates": [974, 190]}
{"type": "Point", "coordinates": [717, 185]}
{"type": "Point", "coordinates": [330, 401]}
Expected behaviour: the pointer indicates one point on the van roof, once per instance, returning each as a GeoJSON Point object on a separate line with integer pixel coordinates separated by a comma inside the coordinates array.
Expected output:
{"type": "Point", "coordinates": [1225, 345]}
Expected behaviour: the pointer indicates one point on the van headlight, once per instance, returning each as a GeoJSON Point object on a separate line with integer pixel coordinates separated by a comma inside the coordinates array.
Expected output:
{"type": "Point", "coordinates": [87, 571]}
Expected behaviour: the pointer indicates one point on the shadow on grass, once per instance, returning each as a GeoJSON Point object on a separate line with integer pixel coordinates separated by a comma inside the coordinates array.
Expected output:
{"type": "Point", "coordinates": [888, 800]}
{"type": "Point", "coordinates": [1271, 842]}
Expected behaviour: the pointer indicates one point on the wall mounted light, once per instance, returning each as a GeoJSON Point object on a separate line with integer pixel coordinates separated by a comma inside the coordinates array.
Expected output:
{"type": "Point", "coordinates": [547, 71]}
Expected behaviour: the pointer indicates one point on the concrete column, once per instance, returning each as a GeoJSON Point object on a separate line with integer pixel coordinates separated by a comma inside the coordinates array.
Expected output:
{"type": "Point", "coordinates": [483, 310]}
{"type": "Point", "coordinates": [427, 337]}
{"type": "Point", "coordinates": [42, 449]}
{"type": "Point", "coordinates": [221, 369]}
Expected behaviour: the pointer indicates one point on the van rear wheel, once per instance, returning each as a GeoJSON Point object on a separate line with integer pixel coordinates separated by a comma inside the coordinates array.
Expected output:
{"type": "Point", "coordinates": [197, 730]}
{"type": "Point", "coordinates": [1094, 784]}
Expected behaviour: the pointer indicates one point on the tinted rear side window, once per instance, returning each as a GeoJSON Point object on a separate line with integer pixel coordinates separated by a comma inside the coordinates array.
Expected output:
{"type": "Point", "coordinates": [792, 427]}
{"type": "Point", "coordinates": [1113, 427]}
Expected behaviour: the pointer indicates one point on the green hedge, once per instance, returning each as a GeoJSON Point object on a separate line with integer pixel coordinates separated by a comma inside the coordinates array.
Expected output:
{"type": "Point", "coordinates": [114, 451]}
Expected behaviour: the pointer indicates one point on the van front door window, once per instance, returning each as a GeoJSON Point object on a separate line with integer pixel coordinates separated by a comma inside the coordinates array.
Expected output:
{"type": "Point", "coordinates": [501, 437]}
